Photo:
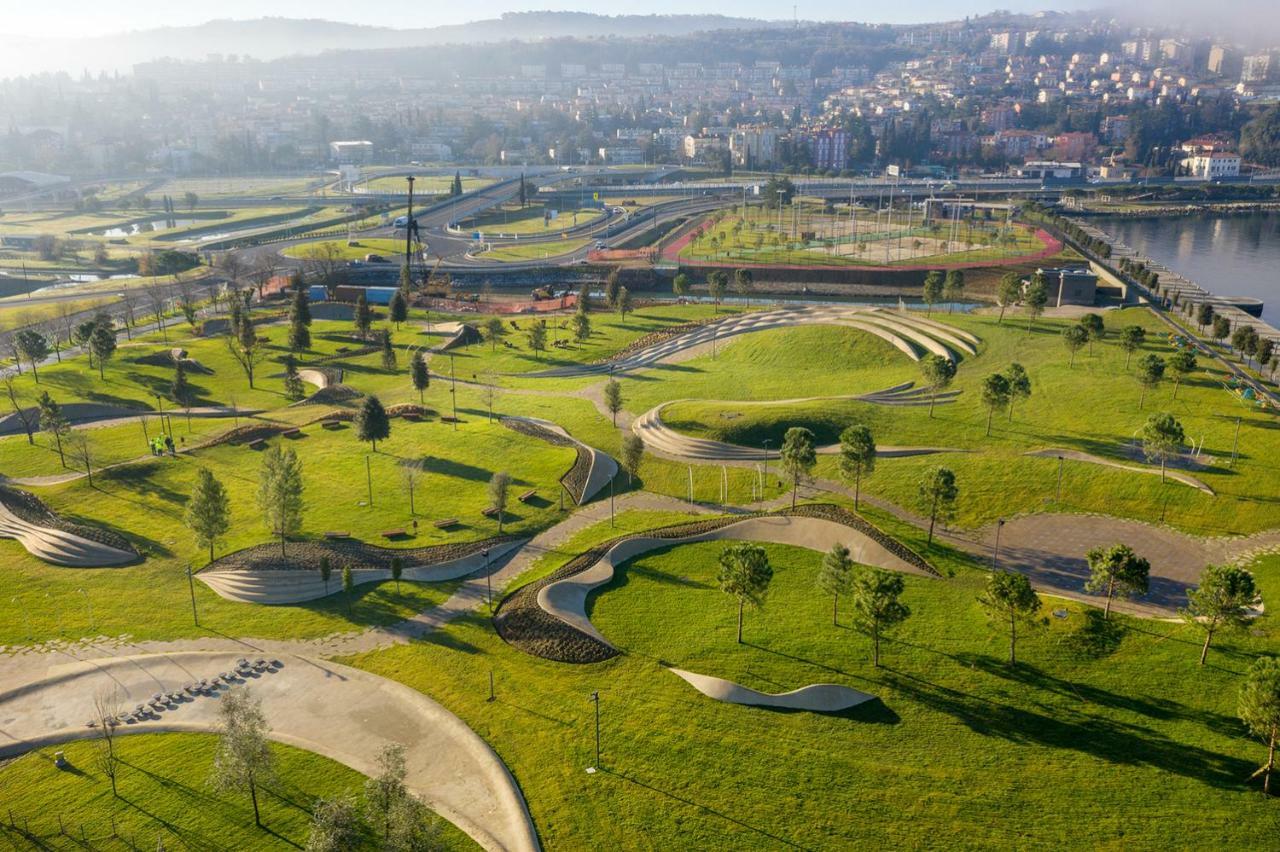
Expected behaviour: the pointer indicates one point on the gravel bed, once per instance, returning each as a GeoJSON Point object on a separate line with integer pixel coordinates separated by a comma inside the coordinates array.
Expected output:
{"type": "Point", "coordinates": [33, 510]}
{"type": "Point", "coordinates": [575, 478]}
{"type": "Point", "coordinates": [344, 553]}
{"type": "Point", "coordinates": [655, 337]}
{"type": "Point", "coordinates": [575, 481]}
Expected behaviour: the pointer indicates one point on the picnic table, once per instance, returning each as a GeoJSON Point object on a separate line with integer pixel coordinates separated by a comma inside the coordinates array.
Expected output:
{"type": "Point", "coordinates": [445, 523]}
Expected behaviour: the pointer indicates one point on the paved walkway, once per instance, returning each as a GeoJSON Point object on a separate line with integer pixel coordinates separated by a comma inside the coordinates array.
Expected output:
{"type": "Point", "coordinates": [330, 709]}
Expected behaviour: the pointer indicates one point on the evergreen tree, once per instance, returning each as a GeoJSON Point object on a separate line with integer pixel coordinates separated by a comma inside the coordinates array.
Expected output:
{"type": "Point", "coordinates": [876, 605]}
{"type": "Point", "coordinates": [294, 389]}
{"type": "Point", "coordinates": [363, 316]}
{"type": "Point", "coordinates": [835, 576]}
{"type": "Point", "coordinates": [55, 422]}
{"type": "Point", "coordinates": [372, 423]}
{"type": "Point", "coordinates": [208, 512]}
{"type": "Point", "coordinates": [420, 375]}
{"type": "Point", "coordinates": [399, 309]}
{"type": "Point", "coordinates": [388, 351]}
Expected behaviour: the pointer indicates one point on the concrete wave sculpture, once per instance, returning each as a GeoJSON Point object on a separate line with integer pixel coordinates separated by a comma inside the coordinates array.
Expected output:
{"type": "Point", "coordinates": [815, 698]}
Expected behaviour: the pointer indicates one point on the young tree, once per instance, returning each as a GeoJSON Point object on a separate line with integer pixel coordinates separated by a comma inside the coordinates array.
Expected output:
{"type": "Point", "coordinates": [33, 346]}
{"type": "Point", "coordinates": [499, 489]}
{"type": "Point", "coordinates": [1074, 337]}
{"type": "Point", "coordinates": [1035, 298]}
{"type": "Point", "coordinates": [26, 418]}
{"type": "Point", "coordinates": [1221, 328]}
{"type": "Point", "coordinates": [1094, 328]}
{"type": "Point", "coordinates": [1009, 599]}
{"type": "Point", "coordinates": [1259, 709]}
{"type": "Point", "coordinates": [383, 791]}
{"type": "Point", "coordinates": [632, 454]}
{"type": "Point", "coordinates": [995, 395]}
{"type": "Point", "coordinates": [397, 570]}
{"type": "Point", "coordinates": [613, 398]}
{"type": "Point", "coordinates": [931, 292]}
{"type": "Point", "coordinates": [717, 282]}
{"type": "Point", "coordinates": [857, 457]}
{"type": "Point", "coordinates": [494, 330]}
{"type": "Point", "coordinates": [420, 375]}
{"type": "Point", "coordinates": [243, 759]}
{"type": "Point", "coordinates": [1162, 439]}
{"type": "Point", "coordinates": [938, 371]}
{"type": "Point", "coordinates": [246, 349]}
{"type": "Point", "coordinates": [745, 574]}
{"type": "Point", "coordinates": [624, 304]}
{"type": "Point", "coordinates": [103, 344]}
{"type": "Point", "coordinates": [294, 389]}
{"type": "Point", "coordinates": [180, 391]}
{"type": "Point", "coordinates": [348, 587]}
{"type": "Point", "coordinates": [877, 606]}
{"type": "Point", "coordinates": [537, 336]}
{"type": "Point", "coordinates": [363, 316]}
{"type": "Point", "coordinates": [1008, 293]}
{"type": "Point", "coordinates": [300, 321]}
{"type": "Point", "coordinates": [388, 350]}
{"type": "Point", "coordinates": [613, 287]}
{"type": "Point", "coordinates": [1132, 337]}
{"type": "Point", "coordinates": [1222, 601]}
{"type": "Point", "coordinates": [106, 715]}
{"type": "Point", "coordinates": [938, 493]}
{"type": "Point", "coordinates": [835, 576]}
{"type": "Point", "coordinates": [1204, 315]}
{"type": "Point", "coordinates": [54, 421]}
{"type": "Point", "coordinates": [953, 288]}
{"type": "Point", "coordinates": [280, 492]}
{"type": "Point", "coordinates": [1019, 384]}
{"type": "Point", "coordinates": [208, 512]}
{"type": "Point", "coordinates": [335, 826]}
{"type": "Point", "coordinates": [1116, 569]}
{"type": "Point", "coordinates": [1150, 373]}
{"type": "Point", "coordinates": [82, 452]}
{"type": "Point", "coordinates": [743, 282]}
{"type": "Point", "coordinates": [1182, 364]}
{"type": "Point", "coordinates": [326, 572]}
{"type": "Point", "coordinates": [798, 456]}
{"type": "Point", "coordinates": [581, 327]}
{"type": "Point", "coordinates": [372, 423]}
{"type": "Point", "coordinates": [680, 285]}
{"type": "Point", "coordinates": [398, 310]}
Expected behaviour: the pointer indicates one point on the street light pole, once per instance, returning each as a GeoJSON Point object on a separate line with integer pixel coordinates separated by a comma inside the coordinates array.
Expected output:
{"type": "Point", "coordinates": [1058, 498]}
{"type": "Point", "coordinates": [766, 465]}
{"type": "Point", "coordinates": [995, 559]}
{"type": "Point", "coordinates": [595, 698]}
{"type": "Point", "coordinates": [191, 586]}
{"type": "Point", "coordinates": [453, 390]}
{"type": "Point", "coordinates": [368, 478]}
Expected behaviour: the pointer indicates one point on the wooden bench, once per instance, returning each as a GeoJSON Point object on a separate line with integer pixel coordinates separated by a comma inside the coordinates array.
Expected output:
{"type": "Point", "coordinates": [446, 418]}
{"type": "Point", "coordinates": [295, 432]}
{"type": "Point", "coordinates": [490, 512]}
{"type": "Point", "coordinates": [343, 349]}
{"type": "Point", "coordinates": [446, 523]}
{"type": "Point", "coordinates": [412, 416]}
{"type": "Point", "coordinates": [257, 444]}
{"type": "Point", "coordinates": [393, 533]}
{"type": "Point", "coordinates": [330, 424]}
{"type": "Point", "coordinates": [528, 495]}
{"type": "Point", "coordinates": [335, 535]}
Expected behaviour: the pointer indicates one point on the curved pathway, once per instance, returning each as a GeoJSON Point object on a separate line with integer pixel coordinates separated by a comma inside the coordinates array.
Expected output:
{"type": "Point", "coordinates": [816, 697]}
{"type": "Point", "coordinates": [566, 599]}
{"type": "Point", "coordinates": [913, 336]}
{"type": "Point", "coordinates": [1090, 458]}
{"type": "Point", "coordinates": [665, 441]}
{"type": "Point", "coordinates": [603, 467]}
{"type": "Point", "coordinates": [340, 712]}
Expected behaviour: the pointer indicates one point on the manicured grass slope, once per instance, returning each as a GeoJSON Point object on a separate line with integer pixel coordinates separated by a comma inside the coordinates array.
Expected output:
{"type": "Point", "coordinates": [1118, 740]}
{"type": "Point", "coordinates": [165, 797]}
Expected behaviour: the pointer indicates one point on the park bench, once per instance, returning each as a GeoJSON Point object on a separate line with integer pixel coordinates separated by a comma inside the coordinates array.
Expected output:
{"type": "Point", "coordinates": [447, 418]}
{"type": "Point", "coordinates": [295, 432]}
{"type": "Point", "coordinates": [393, 533]}
{"type": "Point", "coordinates": [446, 523]}
{"type": "Point", "coordinates": [489, 512]}
{"type": "Point", "coordinates": [341, 349]}
{"type": "Point", "coordinates": [334, 535]}
{"type": "Point", "coordinates": [412, 416]}
{"type": "Point", "coordinates": [257, 444]}
{"type": "Point", "coordinates": [528, 495]}
{"type": "Point", "coordinates": [331, 423]}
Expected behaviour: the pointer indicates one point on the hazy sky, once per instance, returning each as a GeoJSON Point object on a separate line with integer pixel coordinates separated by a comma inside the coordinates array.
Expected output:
{"type": "Point", "coordinates": [101, 17]}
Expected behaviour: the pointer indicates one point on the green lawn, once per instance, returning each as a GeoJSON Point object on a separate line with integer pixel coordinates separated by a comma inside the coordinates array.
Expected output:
{"type": "Point", "coordinates": [1092, 741]}
{"type": "Point", "coordinates": [390, 249]}
{"type": "Point", "coordinates": [515, 252]}
{"type": "Point", "coordinates": [513, 219]}
{"type": "Point", "coordinates": [165, 798]}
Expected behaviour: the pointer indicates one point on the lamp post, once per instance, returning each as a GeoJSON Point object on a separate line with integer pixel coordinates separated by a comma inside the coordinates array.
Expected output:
{"type": "Point", "coordinates": [1058, 497]}
{"type": "Point", "coordinates": [191, 586]}
{"type": "Point", "coordinates": [995, 557]}
{"type": "Point", "coordinates": [766, 466]}
{"type": "Point", "coordinates": [487, 583]}
{"type": "Point", "coordinates": [595, 698]}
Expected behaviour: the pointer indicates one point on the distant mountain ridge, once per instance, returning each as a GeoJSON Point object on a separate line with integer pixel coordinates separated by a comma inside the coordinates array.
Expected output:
{"type": "Point", "coordinates": [273, 38]}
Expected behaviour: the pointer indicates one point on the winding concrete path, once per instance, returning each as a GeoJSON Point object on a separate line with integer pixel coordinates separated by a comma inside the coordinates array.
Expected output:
{"type": "Point", "coordinates": [340, 712]}
{"type": "Point", "coordinates": [815, 698]}
{"type": "Point", "coordinates": [566, 599]}
{"type": "Point", "coordinates": [603, 467]}
{"type": "Point", "coordinates": [1090, 458]}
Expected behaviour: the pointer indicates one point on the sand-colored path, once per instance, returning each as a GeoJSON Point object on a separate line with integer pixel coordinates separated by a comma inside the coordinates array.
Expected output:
{"type": "Point", "coordinates": [343, 713]}
{"type": "Point", "coordinates": [816, 697]}
{"type": "Point", "coordinates": [665, 441]}
{"type": "Point", "coordinates": [1089, 458]}
{"type": "Point", "coordinates": [566, 599]}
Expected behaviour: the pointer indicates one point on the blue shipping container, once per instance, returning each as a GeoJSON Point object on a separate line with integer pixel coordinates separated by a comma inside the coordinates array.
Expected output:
{"type": "Point", "coordinates": [317, 293]}
{"type": "Point", "coordinates": [380, 295]}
